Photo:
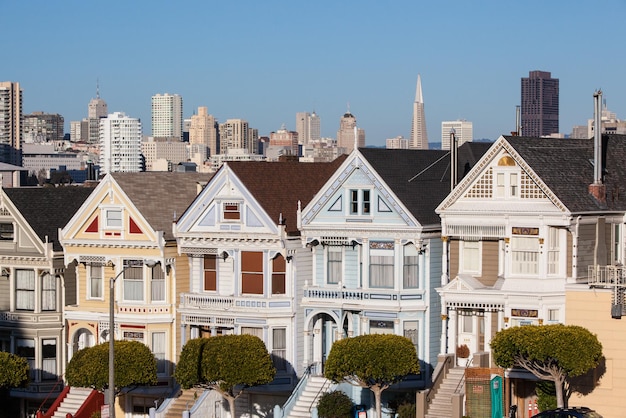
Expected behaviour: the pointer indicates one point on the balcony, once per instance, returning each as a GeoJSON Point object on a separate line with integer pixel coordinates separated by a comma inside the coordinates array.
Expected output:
{"type": "Point", "coordinates": [363, 298]}
{"type": "Point", "coordinates": [607, 276]}
{"type": "Point", "coordinates": [239, 304]}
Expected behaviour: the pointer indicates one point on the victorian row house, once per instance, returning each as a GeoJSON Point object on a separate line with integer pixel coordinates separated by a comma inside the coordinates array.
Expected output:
{"type": "Point", "coordinates": [534, 235]}
{"type": "Point", "coordinates": [121, 239]}
{"type": "Point", "coordinates": [35, 285]}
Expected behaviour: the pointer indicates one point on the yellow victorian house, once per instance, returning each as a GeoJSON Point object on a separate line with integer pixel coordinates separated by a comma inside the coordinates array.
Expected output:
{"type": "Point", "coordinates": [122, 234]}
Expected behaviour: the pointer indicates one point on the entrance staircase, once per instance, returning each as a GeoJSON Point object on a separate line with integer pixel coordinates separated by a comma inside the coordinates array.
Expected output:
{"type": "Point", "coordinates": [315, 387]}
{"type": "Point", "coordinates": [72, 402]}
{"type": "Point", "coordinates": [182, 403]}
{"type": "Point", "coordinates": [441, 405]}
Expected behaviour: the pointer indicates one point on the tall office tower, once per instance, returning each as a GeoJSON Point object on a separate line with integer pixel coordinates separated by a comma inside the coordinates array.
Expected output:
{"type": "Point", "coordinates": [540, 104]}
{"type": "Point", "coordinates": [346, 132]}
{"type": "Point", "coordinates": [203, 131]}
{"type": "Point", "coordinates": [463, 130]}
{"type": "Point", "coordinates": [96, 110]}
{"type": "Point", "coordinates": [419, 137]}
{"type": "Point", "coordinates": [399, 142]}
{"type": "Point", "coordinates": [11, 114]}
{"type": "Point", "coordinates": [285, 139]}
{"type": "Point", "coordinates": [234, 135]}
{"type": "Point", "coordinates": [120, 144]}
{"type": "Point", "coordinates": [308, 127]}
{"type": "Point", "coordinates": [167, 116]}
{"type": "Point", "coordinates": [42, 127]}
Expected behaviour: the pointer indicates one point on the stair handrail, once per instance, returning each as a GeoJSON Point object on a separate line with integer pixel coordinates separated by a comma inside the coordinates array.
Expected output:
{"type": "Point", "coordinates": [462, 381]}
{"type": "Point", "coordinates": [317, 395]}
{"type": "Point", "coordinates": [92, 403]}
{"type": "Point", "coordinates": [58, 382]}
{"type": "Point", "coordinates": [438, 376]}
{"type": "Point", "coordinates": [279, 411]}
{"type": "Point", "coordinates": [166, 402]}
{"type": "Point", "coordinates": [55, 404]}
{"type": "Point", "coordinates": [197, 403]}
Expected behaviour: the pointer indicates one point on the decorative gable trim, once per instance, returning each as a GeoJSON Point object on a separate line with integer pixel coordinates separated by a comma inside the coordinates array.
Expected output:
{"type": "Point", "coordinates": [133, 228]}
{"type": "Point", "coordinates": [93, 226]}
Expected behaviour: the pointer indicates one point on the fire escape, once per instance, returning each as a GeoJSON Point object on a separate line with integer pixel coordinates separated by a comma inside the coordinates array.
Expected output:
{"type": "Point", "coordinates": [614, 278]}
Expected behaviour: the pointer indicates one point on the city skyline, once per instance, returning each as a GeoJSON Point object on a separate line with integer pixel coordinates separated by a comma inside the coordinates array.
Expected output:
{"type": "Point", "coordinates": [317, 57]}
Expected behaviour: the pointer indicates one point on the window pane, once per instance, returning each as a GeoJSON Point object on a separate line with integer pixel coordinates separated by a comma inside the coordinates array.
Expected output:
{"type": "Point", "coordinates": [48, 292]}
{"type": "Point", "coordinates": [410, 267]}
{"type": "Point", "coordinates": [133, 280]}
{"type": "Point", "coordinates": [366, 201]}
{"type": "Point", "coordinates": [6, 231]}
{"type": "Point", "coordinates": [410, 332]}
{"type": "Point", "coordinates": [210, 272]}
{"type": "Point", "coordinates": [26, 349]}
{"type": "Point", "coordinates": [252, 272]}
{"type": "Point", "coordinates": [95, 281]}
{"type": "Point", "coordinates": [278, 275]}
{"type": "Point", "coordinates": [525, 254]}
{"type": "Point", "coordinates": [25, 290]}
{"type": "Point", "coordinates": [279, 348]}
{"type": "Point", "coordinates": [334, 264]}
{"type": "Point", "coordinates": [471, 256]}
{"type": "Point", "coordinates": [158, 283]}
{"type": "Point", "coordinates": [114, 218]}
{"type": "Point", "coordinates": [381, 270]}
{"type": "Point", "coordinates": [159, 351]}
{"type": "Point", "coordinates": [49, 359]}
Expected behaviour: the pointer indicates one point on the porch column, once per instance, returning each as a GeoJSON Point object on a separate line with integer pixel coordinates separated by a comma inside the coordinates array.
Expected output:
{"type": "Point", "coordinates": [317, 341]}
{"type": "Point", "coordinates": [488, 322]}
{"type": "Point", "coordinates": [452, 331]}
{"type": "Point", "coordinates": [306, 356]}
{"type": "Point", "coordinates": [444, 329]}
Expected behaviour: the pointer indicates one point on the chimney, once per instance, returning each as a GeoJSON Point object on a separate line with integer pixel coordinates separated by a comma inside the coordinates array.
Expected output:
{"type": "Point", "coordinates": [597, 188]}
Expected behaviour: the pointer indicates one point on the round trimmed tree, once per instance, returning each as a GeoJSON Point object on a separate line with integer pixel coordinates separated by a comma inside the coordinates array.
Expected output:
{"type": "Point", "coordinates": [13, 371]}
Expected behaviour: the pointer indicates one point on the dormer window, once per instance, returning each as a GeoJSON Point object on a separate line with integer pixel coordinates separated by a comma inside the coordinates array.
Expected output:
{"type": "Point", "coordinates": [113, 218]}
{"type": "Point", "coordinates": [231, 211]}
{"type": "Point", "coordinates": [507, 175]}
{"type": "Point", "coordinates": [6, 231]}
{"type": "Point", "coordinates": [360, 203]}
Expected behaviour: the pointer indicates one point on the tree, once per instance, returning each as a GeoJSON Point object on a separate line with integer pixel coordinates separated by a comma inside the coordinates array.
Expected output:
{"type": "Point", "coordinates": [135, 365]}
{"type": "Point", "coordinates": [555, 353]}
{"type": "Point", "coordinates": [374, 361]}
{"type": "Point", "coordinates": [13, 371]}
{"type": "Point", "coordinates": [227, 364]}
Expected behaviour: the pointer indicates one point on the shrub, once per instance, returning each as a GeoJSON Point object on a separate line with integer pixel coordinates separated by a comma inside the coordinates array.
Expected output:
{"type": "Point", "coordinates": [406, 410]}
{"type": "Point", "coordinates": [462, 351]}
{"type": "Point", "coordinates": [334, 404]}
{"type": "Point", "coordinates": [546, 395]}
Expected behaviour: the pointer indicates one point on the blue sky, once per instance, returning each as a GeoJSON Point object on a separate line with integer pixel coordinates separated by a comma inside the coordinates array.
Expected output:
{"type": "Point", "coordinates": [263, 61]}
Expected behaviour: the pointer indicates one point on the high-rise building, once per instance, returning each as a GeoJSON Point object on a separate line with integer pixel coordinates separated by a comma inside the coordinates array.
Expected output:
{"type": "Point", "coordinates": [347, 131]}
{"type": "Point", "coordinates": [120, 144]}
{"type": "Point", "coordinates": [419, 137]}
{"type": "Point", "coordinates": [96, 110]}
{"type": "Point", "coordinates": [203, 131]}
{"type": "Point", "coordinates": [308, 127]}
{"type": "Point", "coordinates": [463, 130]}
{"type": "Point", "coordinates": [11, 114]}
{"type": "Point", "coordinates": [285, 139]}
{"type": "Point", "coordinates": [399, 142]}
{"type": "Point", "coordinates": [540, 104]}
{"type": "Point", "coordinates": [235, 135]}
{"type": "Point", "coordinates": [167, 116]}
{"type": "Point", "coordinates": [42, 127]}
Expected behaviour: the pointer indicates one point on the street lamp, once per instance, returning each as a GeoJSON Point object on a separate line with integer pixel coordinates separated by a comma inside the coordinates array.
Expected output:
{"type": "Point", "coordinates": [111, 394]}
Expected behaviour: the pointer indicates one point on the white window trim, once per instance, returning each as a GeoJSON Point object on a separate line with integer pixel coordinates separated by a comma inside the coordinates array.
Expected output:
{"type": "Point", "coordinates": [462, 258]}
{"type": "Point", "coordinates": [507, 172]}
{"type": "Point", "coordinates": [89, 293]}
{"type": "Point", "coordinates": [105, 219]}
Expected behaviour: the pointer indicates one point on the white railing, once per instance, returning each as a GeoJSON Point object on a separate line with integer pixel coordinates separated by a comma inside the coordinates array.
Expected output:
{"type": "Point", "coordinates": [369, 296]}
{"type": "Point", "coordinates": [607, 276]}
{"type": "Point", "coordinates": [200, 301]}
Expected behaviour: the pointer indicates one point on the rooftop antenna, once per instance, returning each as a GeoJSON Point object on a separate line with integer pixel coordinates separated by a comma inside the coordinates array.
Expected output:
{"type": "Point", "coordinates": [97, 88]}
{"type": "Point", "coordinates": [356, 137]}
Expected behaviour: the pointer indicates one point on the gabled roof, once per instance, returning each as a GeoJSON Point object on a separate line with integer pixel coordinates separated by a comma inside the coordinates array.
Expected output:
{"type": "Point", "coordinates": [46, 209]}
{"type": "Point", "coordinates": [566, 166]}
{"type": "Point", "coordinates": [421, 178]}
{"type": "Point", "coordinates": [279, 186]}
{"type": "Point", "coordinates": [161, 197]}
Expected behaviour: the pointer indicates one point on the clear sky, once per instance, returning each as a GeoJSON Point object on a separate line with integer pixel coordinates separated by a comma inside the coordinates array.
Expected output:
{"type": "Point", "coordinates": [263, 61]}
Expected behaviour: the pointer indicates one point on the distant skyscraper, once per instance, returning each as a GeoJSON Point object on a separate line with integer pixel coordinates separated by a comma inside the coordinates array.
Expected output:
{"type": "Point", "coordinates": [236, 135]}
{"type": "Point", "coordinates": [42, 127]}
{"type": "Point", "coordinates": [285, 139]}
{"type": "Point", "coordinates": [120, 144]}
{"type": "Point", "coordinates": [167, 116]}
{"type": "Point", "coordinates": [346, 132]}
{"type": "Point", "coordinates": [540, 104]}
{"type": "Point", "coordinates": [399, 142]}
{"type": "Point", "coordinates": [419, 137]}
{"type": "Point", "coordinates": [463, 131]}
{"type": "Point", "coordinates": [11, 119]}
{"type": "Point", "coordinates": [308, 127]}
{"type": "Point", "coordinates": [203, 130]}
{"type": "Point", "coordinates": [96, 109]}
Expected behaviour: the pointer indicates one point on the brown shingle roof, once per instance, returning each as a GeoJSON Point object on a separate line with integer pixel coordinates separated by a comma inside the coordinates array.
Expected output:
{"type": "Point", "coordinates": [278, 186]}
{"type": "Point", "coordinates": [161, 197]}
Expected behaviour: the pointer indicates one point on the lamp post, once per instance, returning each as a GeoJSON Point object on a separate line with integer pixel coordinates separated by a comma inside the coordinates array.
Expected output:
{"type": "Point", "coordinates": [111, 394]}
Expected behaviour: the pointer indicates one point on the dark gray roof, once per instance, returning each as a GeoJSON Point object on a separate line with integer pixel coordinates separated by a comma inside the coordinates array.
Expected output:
{"type": "Point", "coordinates": [421, 178]}
{"type": "Point", "coordinates": [566, 167]}
{"type": "Point", "coordinates": [46, 209]}
{"type": "Point", "coordinates": [162, 197]}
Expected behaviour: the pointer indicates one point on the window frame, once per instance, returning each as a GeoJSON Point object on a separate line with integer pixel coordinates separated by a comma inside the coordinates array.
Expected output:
{"type": "Point", "coordinates": [157, 285]}
{"type": "Point", "coordinates": [22, 291]}
{"type": "Point", "coordinates": [91, 280]}
{"type": "Point", "coordinates": [113, 222]}
{"type": "Point", "coordinates": [48, 295]}
{"type": "Point", "coordinates": [7, 234]}
{"type": "Point", "coordinates": [252, 274]}
{"type": "Point", "coordinates": [407, 267]}
{"type": "Point", "coordinates": [232, 211]}
{"type": "Point", "coordinates": [464, 253]}
{"type": "Point", "coordinates": [209, 272]}
{"type": "Point", "coordinates": [279, 275]}
{"type": "Point", "coordinates": [133, 279]}
{"type": "Point", "coordinates": [381, 264]}
{"type": "Point", "coordinates": [334, 265]}
{"type": "Point", "coordinates": [520, 267]}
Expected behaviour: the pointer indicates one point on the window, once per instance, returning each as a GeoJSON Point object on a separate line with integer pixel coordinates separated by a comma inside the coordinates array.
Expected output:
{"type": "Point", "coordinates": [252, 272]}
{"type": "Point", "coordinates": [113, 218]}
{"type": "Point", "coordinates": [615, 248]}
{"type": "Point", "coordinates": [334, 264]}
{"type": "Point", "coordinates": [25, 290]}
{"type": "Point", "coordinates": [279, 348]}
{"type": "Point", "coordinates": [354, 202]}
{"type": "Point", "coordinates": [381, 327]}
{"type": "Point", "coordinates": [48, 292]}
{"type": "Point", "coordinates": [525, 253]}
{"type": "Point", "coordinates": [49, 359]}
{"type": "Point", "coordinates": [410, 332]}
{"type": "Point", "coordinates": [513, 184]}
{"type": "Point", "coordinates": [157, 283]}
{"type": "Point", "coordinates": [360, 202]}
{"type": "Point", "coordinates": [553, 251]}
{"type": "Point", "coordinates": [133, 280]}
{"type": "Point", "coordinates": [470, 253]}
{"type": "Point", "coordinates": [26, 349]}
{"type": "Point", "coordinates": [159, 351]}
{"type": "Point", "coordinates": [95, 281]}
{"type": "Point", "coordinates": [366, 201]}
{"type": "Point", "coordinates": [6, 231]}
{"type": "Point", "coordinates": [279, 269]}
{"type": "Point", "coordinates": [232, 211]}
{"type": "Point", "coordinates": [210, 272]}
{"type": "Point", "coordinates": [381, 264]}
{"type": "Point", "coordinates": [257, 332]}
{"type": "Point", "coordinates": [410, 272]}
{"type": "Point", "coordinates": [467, 323]}
{"type": "Point", "coordinates": [553, 315]}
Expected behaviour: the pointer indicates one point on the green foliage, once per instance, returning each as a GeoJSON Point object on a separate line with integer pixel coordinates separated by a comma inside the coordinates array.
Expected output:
{"type": "Point", "coordinates": [13, 371]}
{"type": "Point", "coordinates": [334, 404]}
{"type": "Point", "coordinates": [135, 365]}
{"type": "Point", "coordinates": [224, 362]}
{"type": "Point", "coordinates": [571, 348]}
{"type": "Point", "coordinates": [546, 395]}
{"type": "Point", "coordinates": [372, 360]}
{"type": "Point", "coordinates": [406, 410]}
